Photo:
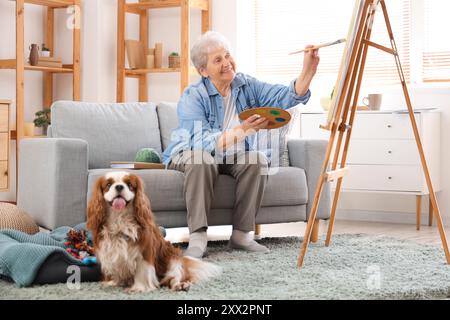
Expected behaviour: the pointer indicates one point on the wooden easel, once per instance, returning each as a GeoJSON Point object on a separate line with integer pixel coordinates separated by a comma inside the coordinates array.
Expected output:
{"type": "Point", "coordinates": [342, 125]}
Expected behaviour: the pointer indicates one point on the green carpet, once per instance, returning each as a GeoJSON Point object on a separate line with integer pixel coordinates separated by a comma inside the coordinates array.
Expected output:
{"type": "Point", "coordinates": [354, 267]}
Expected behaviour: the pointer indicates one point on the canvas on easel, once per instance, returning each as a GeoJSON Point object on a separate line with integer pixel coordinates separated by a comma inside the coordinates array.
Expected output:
{"type": "Point", "coordinates": [345, 61]}
{"type": "Point", "coordinates": [342, 113]}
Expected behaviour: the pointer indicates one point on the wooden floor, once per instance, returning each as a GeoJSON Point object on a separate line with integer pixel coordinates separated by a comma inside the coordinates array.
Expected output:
{"type": "Point", "coordinates": [401, 231]}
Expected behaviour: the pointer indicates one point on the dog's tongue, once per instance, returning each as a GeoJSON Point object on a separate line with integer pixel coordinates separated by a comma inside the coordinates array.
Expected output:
{"type": "Point", "coordinates": [119, 203]}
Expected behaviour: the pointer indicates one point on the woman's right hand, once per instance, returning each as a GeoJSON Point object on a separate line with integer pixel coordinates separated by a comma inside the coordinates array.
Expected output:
{"type": "Point", "coordinates": [250, 126]}
{"type": "Point", "coordinates": [253, 124]}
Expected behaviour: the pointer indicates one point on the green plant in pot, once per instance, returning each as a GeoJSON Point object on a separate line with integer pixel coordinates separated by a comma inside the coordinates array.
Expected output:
{"type": "Point", "coordinates": [45, 52]}
{"type": "Point", "coordinates": [174, 60]}
{"type": "Point", "coordinates": [42, 120]}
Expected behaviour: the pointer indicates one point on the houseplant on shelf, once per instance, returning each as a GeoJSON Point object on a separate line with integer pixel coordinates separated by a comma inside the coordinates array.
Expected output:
{"type": "Point", "coordinates": [45, 52]}
{"type": "Point", "coordinates": [42, 119]}
{"type": "Point", "coordinates": [174, 60]}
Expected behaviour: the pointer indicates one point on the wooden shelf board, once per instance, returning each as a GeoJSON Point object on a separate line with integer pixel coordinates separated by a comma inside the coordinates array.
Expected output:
{"type": "Point", "coordinates": [11, 64]}
{"type": "Point", "coordinates": [13, 135]}
{"type": "Point", "coordinates": [51, 3]}
{"type": "Point", "coordinates": [155, 4]}
{"type": "Point", "coordinates": [8, 64]}
{"type": "Point", "coordinates": [131, 72]}
{"type": "Point", "coordinates": [48, 69]}
{"type": "Point", "coordinates": [137, 72]}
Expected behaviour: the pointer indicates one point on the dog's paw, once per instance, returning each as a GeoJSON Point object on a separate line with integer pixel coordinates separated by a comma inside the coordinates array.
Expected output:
{"type": "Point", "coordinates": [181, 286]}
{"type": "Point", "coordinates": [139, 288]}
{"type": "Point", "coordinates": [136, 289]}
{"type": "Point", "coordinates": [110, 283]}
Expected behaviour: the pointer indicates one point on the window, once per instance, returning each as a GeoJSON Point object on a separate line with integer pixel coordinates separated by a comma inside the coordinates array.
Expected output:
{"type": "Point", "coordinates": [436, 52]}
{"type": "Point", "coordinates": [282, 26]}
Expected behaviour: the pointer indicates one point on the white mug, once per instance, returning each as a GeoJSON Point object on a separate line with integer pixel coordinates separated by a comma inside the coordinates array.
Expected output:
{"type": "Point", "coordinates": [373, 101]}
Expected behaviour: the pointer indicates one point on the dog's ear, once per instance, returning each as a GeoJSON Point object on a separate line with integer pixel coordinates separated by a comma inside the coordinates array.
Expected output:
{"type": "Point", "coordinates": [96, 211]}
{"type": "Point", "coordinates": [141, 202]}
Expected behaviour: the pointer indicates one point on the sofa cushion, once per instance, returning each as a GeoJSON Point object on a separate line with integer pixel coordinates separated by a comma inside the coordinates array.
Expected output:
{"type": "Point", "coordinates": [113, 131]}
{"type": "Point", "coordinates": [168, 121]}
{"type": "Point", "coordinates": [165, 188]}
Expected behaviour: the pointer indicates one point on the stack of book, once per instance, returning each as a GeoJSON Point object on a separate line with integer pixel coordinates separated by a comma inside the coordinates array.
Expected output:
{"type": "Point", "coordinates": [136, 165]}
{"type": "Point", "coordinates": [50, 62]}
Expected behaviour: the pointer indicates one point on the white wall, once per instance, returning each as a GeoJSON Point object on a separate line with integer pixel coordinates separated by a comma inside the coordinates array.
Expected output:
{"type": "Point", "coordinates": [99, 79]}
{"type": "Point", "coordinates": [164, 26]}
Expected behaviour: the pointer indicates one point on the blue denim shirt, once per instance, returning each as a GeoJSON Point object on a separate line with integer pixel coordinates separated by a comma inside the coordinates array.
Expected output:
{"type": "Point", "coordinates": [201, 111]}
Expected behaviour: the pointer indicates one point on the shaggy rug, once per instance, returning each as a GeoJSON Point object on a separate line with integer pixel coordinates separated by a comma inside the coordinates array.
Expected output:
{"type": "Point", "coordinates": [353, 267]}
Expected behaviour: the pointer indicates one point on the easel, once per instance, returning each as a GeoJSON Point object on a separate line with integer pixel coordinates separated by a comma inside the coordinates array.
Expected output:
{"type": "Point", "coordinates": [342, 124]}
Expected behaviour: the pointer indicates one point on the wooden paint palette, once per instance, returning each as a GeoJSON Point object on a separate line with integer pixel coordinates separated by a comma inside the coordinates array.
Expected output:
{"type": "Point", "coordinates": [277, 117]}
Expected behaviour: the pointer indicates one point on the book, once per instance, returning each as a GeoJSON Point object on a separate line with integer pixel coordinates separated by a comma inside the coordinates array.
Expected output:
{"type": "Point", "coordinates": [50, 64]}
{"type": "Point", "coordinates": [136, 165]}
{"type": "Point", "coordinates": [50, 59]}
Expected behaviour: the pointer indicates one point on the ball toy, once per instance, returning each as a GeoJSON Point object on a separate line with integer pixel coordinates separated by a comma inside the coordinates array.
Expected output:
{"type": "Point", "coordinates": [148, 155]}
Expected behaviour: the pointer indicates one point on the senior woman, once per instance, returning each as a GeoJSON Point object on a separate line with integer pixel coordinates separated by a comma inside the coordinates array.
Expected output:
{"type": "Point", "coordinates": [210, 139]}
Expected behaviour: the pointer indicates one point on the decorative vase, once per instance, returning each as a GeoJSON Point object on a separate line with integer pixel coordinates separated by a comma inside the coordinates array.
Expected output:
{"type": "Point", "coordinates": [34, 54]}
{"type": "Point", "coordinates": [158, 55]}
{"type": "Point", "coordinates": [29, 129]}
{"type": "Point", "coordinates": [150, 61]}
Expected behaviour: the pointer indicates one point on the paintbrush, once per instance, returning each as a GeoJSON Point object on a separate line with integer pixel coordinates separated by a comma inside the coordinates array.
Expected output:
{"type": "Point", "coordinates": [319, 46]}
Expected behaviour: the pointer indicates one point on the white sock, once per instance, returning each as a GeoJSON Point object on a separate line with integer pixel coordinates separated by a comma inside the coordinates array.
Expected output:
{"type": "Point", "coordinates": [198, 240]}
{"type": "Point", "coordinates": [241, 237]}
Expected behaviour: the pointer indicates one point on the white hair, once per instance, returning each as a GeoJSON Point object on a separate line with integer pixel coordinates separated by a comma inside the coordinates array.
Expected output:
{"type": "Point", "coordinates": [204, 45]}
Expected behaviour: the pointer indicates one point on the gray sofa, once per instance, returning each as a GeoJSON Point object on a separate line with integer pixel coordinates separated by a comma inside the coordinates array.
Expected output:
{"type": "Point", "coordinates": [57, 173]}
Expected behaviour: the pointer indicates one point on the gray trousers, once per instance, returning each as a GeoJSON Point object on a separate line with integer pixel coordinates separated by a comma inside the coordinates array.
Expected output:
{"type": "Point", "coordinates": [201, 172]}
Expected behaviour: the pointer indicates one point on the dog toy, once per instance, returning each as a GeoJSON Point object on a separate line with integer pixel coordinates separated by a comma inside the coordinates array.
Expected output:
{"type": "Point", "coordinates": [89, 261]}
{"type": "Point", "coordinates": [80, 247]}
{"type": "Point", "coordinates": [147, 155]}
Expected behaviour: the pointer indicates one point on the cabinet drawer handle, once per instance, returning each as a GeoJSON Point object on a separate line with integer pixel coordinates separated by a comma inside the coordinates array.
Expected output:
{"type": "Point", "coordinates": [390, 152]}
{"type": "Point", "coordinates": [389, 126]}
{"type": "Point", "coordinates": [390, 178]}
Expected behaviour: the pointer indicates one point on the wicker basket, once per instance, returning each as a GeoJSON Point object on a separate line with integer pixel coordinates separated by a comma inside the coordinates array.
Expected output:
{"type": "Point", "coordinates": [174, 61]}
{"type": "Point", "coordinates": [11, 217]}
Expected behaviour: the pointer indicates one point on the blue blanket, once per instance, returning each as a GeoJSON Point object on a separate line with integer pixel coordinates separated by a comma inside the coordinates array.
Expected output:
{"type": "Point", "coordinates": [21, 254]}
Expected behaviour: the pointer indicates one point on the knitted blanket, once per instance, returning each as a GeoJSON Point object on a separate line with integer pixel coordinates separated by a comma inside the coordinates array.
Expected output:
{"type": "Point", "coordinates": [21, 254]}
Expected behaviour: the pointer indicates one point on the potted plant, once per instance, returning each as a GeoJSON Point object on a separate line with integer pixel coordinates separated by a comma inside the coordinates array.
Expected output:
{"type": "Point", "coordinates": [45, 52]}
{"type": "Point", "coordinates": [174, 60]}
{"type": "Point", "coordinates": [42, 120]}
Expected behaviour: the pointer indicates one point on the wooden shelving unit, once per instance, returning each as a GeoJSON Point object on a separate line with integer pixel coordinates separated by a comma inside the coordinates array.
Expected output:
{"type": "Point", "coordinates": [141, 8]}
{"type": "Point", "coordinates": [20, 66]}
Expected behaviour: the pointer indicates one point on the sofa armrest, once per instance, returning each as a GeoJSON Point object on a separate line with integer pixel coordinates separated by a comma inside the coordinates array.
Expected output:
{"type": "Point", "coordinates": [309, 154]}
{"type": "Point", "coordinates": [53, 180]}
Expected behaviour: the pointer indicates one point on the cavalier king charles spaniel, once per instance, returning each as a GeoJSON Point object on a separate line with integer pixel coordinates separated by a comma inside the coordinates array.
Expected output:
{"type": "Point", "coordinates": [129, 245]}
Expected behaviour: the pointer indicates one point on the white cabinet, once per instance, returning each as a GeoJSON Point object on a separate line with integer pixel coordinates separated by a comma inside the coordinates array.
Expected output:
{"type": "Point", "coordinates": [383, 155]}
